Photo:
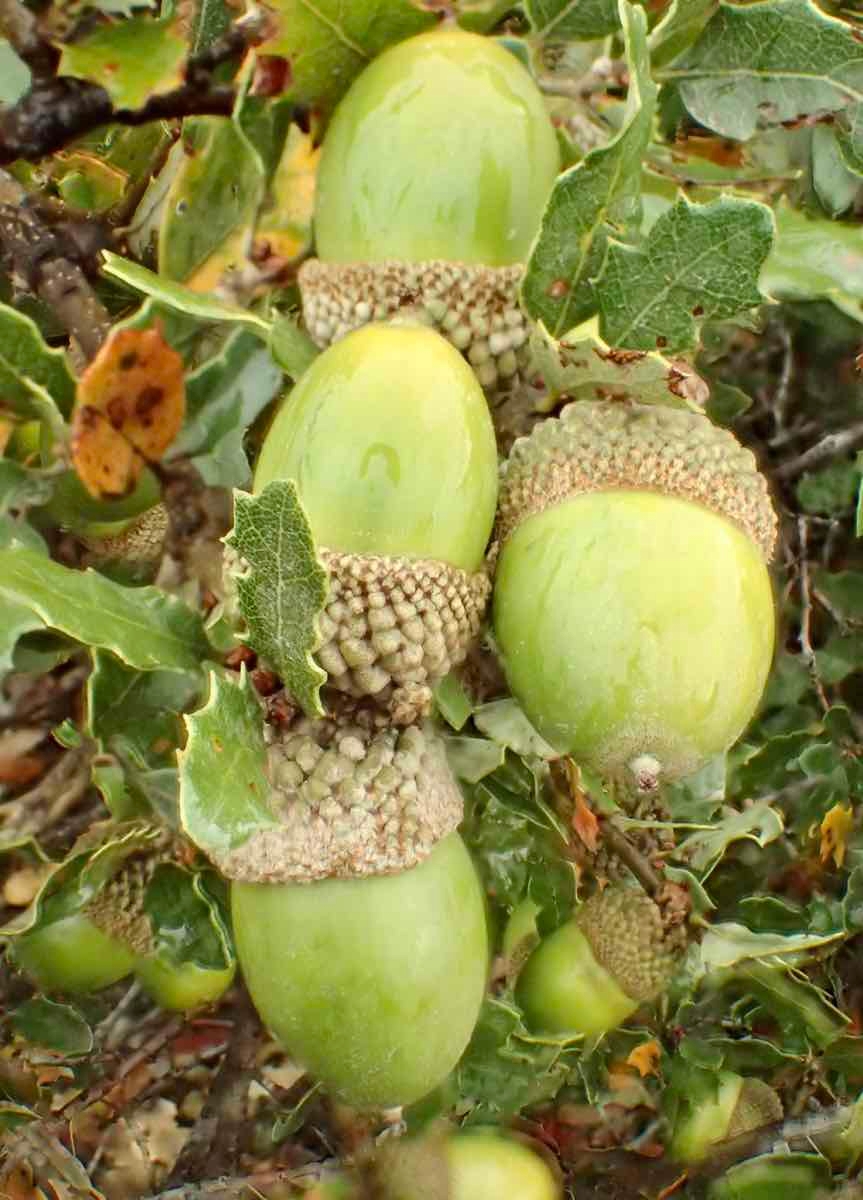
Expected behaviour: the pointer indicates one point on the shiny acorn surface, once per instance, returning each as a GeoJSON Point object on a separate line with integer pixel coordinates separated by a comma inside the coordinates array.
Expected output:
{"type": "Point", "coordinates": [633, 623]}
{"type": "Point", "coordinates": [442, 149]}
{"type": "Point", "coordinates": [389, 441]}
{"type": "Point", "coordinates": [375, 984]}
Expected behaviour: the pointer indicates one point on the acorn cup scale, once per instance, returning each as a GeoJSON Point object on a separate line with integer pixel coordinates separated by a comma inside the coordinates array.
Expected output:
{"type": "Point", "coordinates": [388, 440]}
{"type": "Point", "coordinates": [439, 223]}
{"type": "Point", "coordinates": [373, 984]}
{"type": "Point", "coordinates": [633, 608]}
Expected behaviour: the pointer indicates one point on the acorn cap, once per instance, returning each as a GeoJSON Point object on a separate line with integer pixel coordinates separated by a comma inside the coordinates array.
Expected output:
{"type": "Point", "coordinates": [625, 931]}
{"type": "Point", "coordinates": [396, 622]}
{"type": "Point", "coordinates": [757, 1105]}
{"type": "Point", "coordinates": [355, 797]}
{"type": "Point", "coordinates": [475, 307]}
{"type": "Point", "coordinates": [142, 542]}
{"type": "Point", "coordinates": [118, 907]}
{"type": "Point", "coordinates": [601, 446]}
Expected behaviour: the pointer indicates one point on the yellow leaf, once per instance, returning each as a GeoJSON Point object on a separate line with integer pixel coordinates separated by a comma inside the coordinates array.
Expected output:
{"type": "Point", "coordinates": [129, 408]}
{"type": "Point", "coordinates": [645, 1058]}
{"type": "Point", "coordinates": [835, 828]}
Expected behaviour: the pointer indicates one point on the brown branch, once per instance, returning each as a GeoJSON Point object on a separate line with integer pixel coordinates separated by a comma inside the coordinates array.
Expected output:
{"type": "Point", "coordinates": [829, 447]}
{"type": "Point", "coordinates": [41, 258]}
{"type": "Point", "coordinates": [214, 1144]}
{"type": "Point", "coordinates": [230, 1187]}
{"type": "Point", "coordinates": [20, 28]}
{"type": "Point", "coordinates": [620, 845]}
{"type": "Point", "coordinates": [58, 110]}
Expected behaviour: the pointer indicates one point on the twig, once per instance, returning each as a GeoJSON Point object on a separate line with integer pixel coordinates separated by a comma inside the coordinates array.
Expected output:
{"type": "Point", "coordinates": [214, 1143]}
{"type": "Point", "coordinates": [57, 111]}
{"type": "Point", "coordinates": [39, 257]}
{"type": "Point", "coordinates": [233, 1187]}
{"type": "Point", "coordinates": [620, 845]}
{"type": "Point", "coordinates": [603, 71]}
{"type": "Point", "coordinates": [805, 635]}
{"type": "Point", "coordinates": [53, 796]}
{"type": "Point", "coordinates": [780, 396]}
{"type": "Point", "coordinates": [18, 25]}
{"type": "Point", "coordinates": [830, 446]}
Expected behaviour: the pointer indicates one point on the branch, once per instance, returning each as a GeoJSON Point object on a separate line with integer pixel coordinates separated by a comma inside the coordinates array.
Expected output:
{"type": "Point", "coordinates": [829, 447]}
{"type": "Point", "coordinates": [42, 260]}
{"type": "Point", "coordinates": [58, 110]}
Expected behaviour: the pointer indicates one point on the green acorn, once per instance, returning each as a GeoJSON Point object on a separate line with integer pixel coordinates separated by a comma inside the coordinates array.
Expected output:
{"type": "Point", "coordinates": [482, 1164]}
{"type": "Point", "coordinates": [592, 973]}
{"type": "Point", "coordinates": [739, 1106]}
{"type": "Point", "coordinates": [373, 984]}
{"type": "Point", "coordinates": [389, 442]}
{"type": "Point", "coordinates": [111, 937]}
{"type": "Point", "coordinates": [443, 223]}
{"type": "Point", "coordinates": [359, 919]}
{"type": "Point", "coordinates": [131, 549]}
{"type": "Point", "coordinates": [632, 606]}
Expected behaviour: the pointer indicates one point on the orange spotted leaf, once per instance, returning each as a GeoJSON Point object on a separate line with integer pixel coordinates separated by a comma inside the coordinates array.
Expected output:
{"type": "Point", "coordinates": [129, 408]}
{"type": "Point", "coordinates": [645, 1058]}
{"type": "Point", "coordinates": [835, 828]}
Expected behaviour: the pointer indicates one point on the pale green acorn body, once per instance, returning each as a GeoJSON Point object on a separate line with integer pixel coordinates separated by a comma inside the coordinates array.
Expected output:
{"type": "Point", "coordinates": [388, 439]}
{"type": "Point", "coordinates": [440, 223]}
{"type": "Point", "coordinates": [373, 984]}
{"type": "Point", "coordinates": [633, 608]}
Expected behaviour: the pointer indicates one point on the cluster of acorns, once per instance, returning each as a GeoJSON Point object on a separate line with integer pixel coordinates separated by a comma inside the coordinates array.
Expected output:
{"type": "Point", "coordinates": [624, 551]}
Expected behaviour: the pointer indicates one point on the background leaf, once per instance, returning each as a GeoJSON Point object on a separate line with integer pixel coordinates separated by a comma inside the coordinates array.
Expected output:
{"type": "Point", "coordinates": [699, 261]}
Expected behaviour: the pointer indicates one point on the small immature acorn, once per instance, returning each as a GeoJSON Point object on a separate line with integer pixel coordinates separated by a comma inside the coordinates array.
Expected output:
{"type": "Point", "coordinates": [632, 606]}
{"type": "Point", "coordinates": [739, 1106]}
{"type": "Point", "coordinates": [373, 984]}
{"type": "Point", "coordinates": [131, 549]}
{"type": "Point", "coordinates": [112, 937]}
{"type": "Point", "coordinates": [443, 223]}
{"type": "Point", "coordinates": [592, 973]}
{"type": "Point", "coordinates": [388, 439]}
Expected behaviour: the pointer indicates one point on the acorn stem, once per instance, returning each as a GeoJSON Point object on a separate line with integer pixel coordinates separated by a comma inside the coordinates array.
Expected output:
{"type": "Point", "coordinates": [619, 844]}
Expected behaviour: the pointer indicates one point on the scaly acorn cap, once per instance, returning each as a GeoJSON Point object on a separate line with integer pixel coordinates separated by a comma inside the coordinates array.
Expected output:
{"type": "Point", "coordinates": [475, 307]}
{"type": "Point", "coordinates": [118, 907]}
{"type": "Point", "coordinates": [354, 796]}
{"type": "Point", "coordinates": [399, 623]}
{"type": "Point", "coordinates": [141, 543]}
{"type": "Point", "coordinates": [757, 1105]}
{"type": "Point", "coordinates": [625, 931]}
{"type": "Point", "coordinates": [602, 446]}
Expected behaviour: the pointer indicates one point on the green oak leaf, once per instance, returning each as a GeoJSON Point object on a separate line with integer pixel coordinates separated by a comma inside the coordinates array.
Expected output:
{"type": "Point", "coordinates": [283, 587]}
{"type": "Point", "coordinates": [506, 1067]}
{"type": "Point", "coordinates": [699, 262]}
{"type": "Point", "coordinates": [328, 42]}
{"type": "Point", "coordinates": [596, 198]}
{"type": "Point", "coordinates": [142, 707]}
{"type": "Point", "coordinates": [187, 922]}
{"type": "Point", "coordinates": [215, 189]}
{"type": "Point", "coordinates": [177, 297]}
{"type": "Point", "coordinates": [582, 367]}
{"type": "Point", "coordinates": [27, 360]}
{"type": "Point", "coordinates": [130, 59]}
{"type": "Point", "coordinates": [813, 258]}
{"type": "Point", "coordinates": [144, 627]}
{"type": "Point", "coordinates": [224, 790]}
{"type": "Point", "coordinates": [223, 398]}
{"type": "Point", "coordinates": [572, 20]}
{"type": "Point", "coordinates": [58, 1027]}
{"type": "Point", "coordinates": [14, 75]}
{"type": "Point", "coordinates": [759, 65]}
{"type": "Point", "coordinates": [681, 24]}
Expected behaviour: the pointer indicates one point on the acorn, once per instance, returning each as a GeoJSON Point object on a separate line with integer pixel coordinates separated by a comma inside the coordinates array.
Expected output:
{"type": "Point", "coordinates": [596, 970]}
{"type": "Point", "coordinates": [739, 1106]}
{"type": "Point", "coordinates": [130, 550]}
{"type": "Point", "coordinates": [388, 439]}
{"type": "Point", "coordinates": [433, 178]}
{"type": "Point", "coordinates": [481, 1164]}
{"type": "Point", "coordinates": [109, 937]}
{"type": "Point", "coordinates": [632, 607]}
{"type": "Point", "coordinates": [373, 984]}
